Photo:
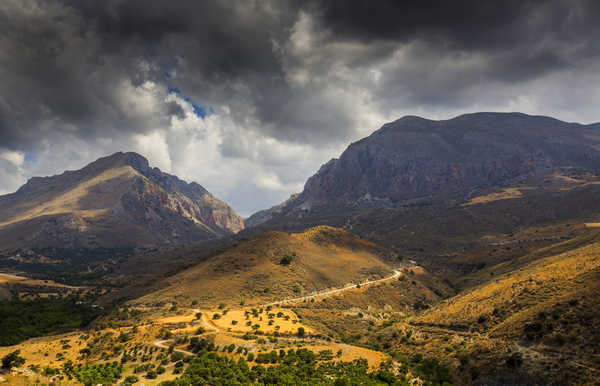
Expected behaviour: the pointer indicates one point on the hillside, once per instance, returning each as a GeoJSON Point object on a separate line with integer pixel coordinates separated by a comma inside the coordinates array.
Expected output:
{"type": "Point", "coordinates": [530, 319]}
{"type": "Point", "coordinates": [115, 202]}
{"type": "Point", "coordinates": [448, 193]}
{"type": "Point", "coordinates": [275, 265]}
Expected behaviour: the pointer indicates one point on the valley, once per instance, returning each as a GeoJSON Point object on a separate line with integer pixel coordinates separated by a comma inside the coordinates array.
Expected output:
{"type": "Point", "coordinates": [389, 268]}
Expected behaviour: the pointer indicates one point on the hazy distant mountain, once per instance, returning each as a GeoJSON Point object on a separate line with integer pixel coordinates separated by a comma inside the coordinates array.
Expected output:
{"type": "Point", "coordinates": [116, 201]}
{"type": "Point", "coordinates": [413, 160]}
{"type": "Point", "coordinates": [267, 214]}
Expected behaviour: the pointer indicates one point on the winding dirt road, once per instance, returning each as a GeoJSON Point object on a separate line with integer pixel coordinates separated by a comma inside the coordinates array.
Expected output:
{"type": "Point", "coordinates": [334, 291]}
{"type": "Point", "coordinates": [213, 329]}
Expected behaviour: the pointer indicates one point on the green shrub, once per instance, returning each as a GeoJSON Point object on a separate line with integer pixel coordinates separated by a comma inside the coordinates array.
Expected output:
{"type": "Point", "coordinates": [287, 258]}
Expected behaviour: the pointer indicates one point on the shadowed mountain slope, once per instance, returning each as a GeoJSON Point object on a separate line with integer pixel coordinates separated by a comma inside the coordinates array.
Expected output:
{"type": "Point", "coordinates": [415, 160]}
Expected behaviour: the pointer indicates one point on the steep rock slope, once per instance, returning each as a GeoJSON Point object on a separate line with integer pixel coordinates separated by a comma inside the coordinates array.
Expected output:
{"type": "Point", "coordinates": [116, 201]}
{"type": "Point", "coordinates": [414, 160]}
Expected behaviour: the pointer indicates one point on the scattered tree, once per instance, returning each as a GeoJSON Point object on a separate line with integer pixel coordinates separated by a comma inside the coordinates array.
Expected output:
{"type": "Point", "coordinates": [12, 360]}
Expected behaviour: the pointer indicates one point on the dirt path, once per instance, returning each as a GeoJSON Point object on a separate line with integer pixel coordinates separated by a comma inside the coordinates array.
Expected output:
{"type": "Point", "coordinates": [212, 328]}
{"type": "Point", "coordinates": [208, 324]}
{"type": "Point", "coordinates": [539, 355]}
{"type": "Point", "coordinates": [161, 344]}
{"type": "Point", "coordinates": [320, 294]}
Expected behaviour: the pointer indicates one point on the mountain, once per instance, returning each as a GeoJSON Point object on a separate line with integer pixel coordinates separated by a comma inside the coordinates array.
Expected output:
{"type": "Point", "coordinates": [267, 214]}
{"type": "Point", "coordinates": [415, 161]}
{"type": "Point", "coordinates": [117, 201]}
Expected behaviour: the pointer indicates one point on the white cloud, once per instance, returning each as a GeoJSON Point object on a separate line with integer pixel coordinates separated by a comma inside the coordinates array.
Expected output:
{"type": "Point", "coordinates": [15, 157]}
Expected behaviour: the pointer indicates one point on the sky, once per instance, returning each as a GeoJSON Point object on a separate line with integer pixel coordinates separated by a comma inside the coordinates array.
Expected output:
{"type": "Point", "coordinates": [248, 98]}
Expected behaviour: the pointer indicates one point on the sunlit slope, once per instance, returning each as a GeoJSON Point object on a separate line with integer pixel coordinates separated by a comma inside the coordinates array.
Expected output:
{"type": "Point", "coordinates": [116, 201]}
{"type": "Point", "coordinates": [256, 270]}
{"type": "Point", "coordinates": [549, 297]}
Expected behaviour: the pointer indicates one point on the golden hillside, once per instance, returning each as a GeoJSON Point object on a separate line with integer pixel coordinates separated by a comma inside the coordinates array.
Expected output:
{"type": "Point", "coordinates": [526, 288]}
{"type": "Point", "coordinates": [541, 307]}
{"type": "Point", "coordinates": [256, 270]}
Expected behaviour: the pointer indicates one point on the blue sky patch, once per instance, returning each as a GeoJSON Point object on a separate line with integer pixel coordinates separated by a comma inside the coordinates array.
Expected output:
{"type": "Point", "coordinates": [198, 110]}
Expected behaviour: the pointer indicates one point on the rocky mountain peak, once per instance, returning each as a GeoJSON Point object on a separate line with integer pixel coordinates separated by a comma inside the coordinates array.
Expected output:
{"type": "Point", "coordinates": [414, 159]}
{"type": "Point", "coordinates": [118, 200]}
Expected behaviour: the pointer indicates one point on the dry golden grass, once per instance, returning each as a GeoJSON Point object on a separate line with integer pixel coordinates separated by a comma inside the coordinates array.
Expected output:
{"type": "Point", "coordinates": [9, 279]}
{"type": "Point", "coordinates": [85, 195]}
{"type": "Point", "coordinates": [288, 322]}
{"type": "Point", "coordinates": [251, 271]}
{"type": "Point", "coordinates": [544, 279]}
{"type": "Point", "coordinates": [504, 194]}
{"type": "Point", "coordinates": [350, 353]}
{"type": "Point", "coordinates": [42, 351]}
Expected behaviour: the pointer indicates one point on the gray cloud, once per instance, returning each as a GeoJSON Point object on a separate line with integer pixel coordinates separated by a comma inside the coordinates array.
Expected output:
{"type": "Point", "coordinates": [284, 84]}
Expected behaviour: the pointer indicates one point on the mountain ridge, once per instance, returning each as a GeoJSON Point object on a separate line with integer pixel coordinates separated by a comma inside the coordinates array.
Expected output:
{"type": "Point", "coordinates": [120, 191]}
{"type": "Point", "coordinates": [414, 159]}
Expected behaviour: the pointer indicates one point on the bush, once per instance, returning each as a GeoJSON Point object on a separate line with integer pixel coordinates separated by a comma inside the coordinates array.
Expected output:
{"type": "Point", "coordinates": [301, 333]}
{"type": "Point", "coordinates": [287, 258]}
{"type": "Point", "coordinates": [130, 380]}
{"type": "Point", "coordinates": [106, 373]}
{"type": "Point", "coordinates": [176, 356]}
{"type": "Point", "coordinates": [12, 360]}
{"type": "Point", "coordinates": [515, 360]}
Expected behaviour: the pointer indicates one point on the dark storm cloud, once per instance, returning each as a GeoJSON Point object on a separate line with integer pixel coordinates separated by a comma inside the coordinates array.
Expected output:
{"type": "Point", "coordinates": [514, 41]}
{"type": "Point", "coordinates": [309, 74]}
{"type": "Point", "coordinates": [463, 25]}
{"type": "Point", "coordinates": [63, 62]}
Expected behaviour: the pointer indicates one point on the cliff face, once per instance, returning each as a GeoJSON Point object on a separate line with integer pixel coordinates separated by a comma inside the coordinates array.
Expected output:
{"type": "Point", "coordinates": [415, 159]}
{"type": "Point", "coordinates": [115, 201]}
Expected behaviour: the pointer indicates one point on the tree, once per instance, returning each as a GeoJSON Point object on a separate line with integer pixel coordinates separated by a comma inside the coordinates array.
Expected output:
{"type": "Point", "coordinates": [130, 380]}
{"type": "Point", "coordinates": [301, 332]}
{"type": "Point", "coordinates": [12, 360]}
{"type": "Point", "coordinates": [287, 258]}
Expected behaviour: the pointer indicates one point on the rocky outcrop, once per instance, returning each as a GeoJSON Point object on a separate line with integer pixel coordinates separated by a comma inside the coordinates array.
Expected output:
{"type": "Point", "coordinates": [415, 159]}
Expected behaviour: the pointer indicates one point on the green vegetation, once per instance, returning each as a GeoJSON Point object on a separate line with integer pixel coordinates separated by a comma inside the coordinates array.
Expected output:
{"type": "Point", "coordinates": [74, 271]}
{"type": "Point", "coordinates": [130, 380]}
{"type": "Point", "coordinates": [106, 373]}
{"type": "Point", "coordinates": [293, 368]}
{"type": "Point", "coordinates": [12, 360]}
{"type": "Point", "coordinates": [20, 320]}
{"type": "Point", "coordinates": [287, 258]}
